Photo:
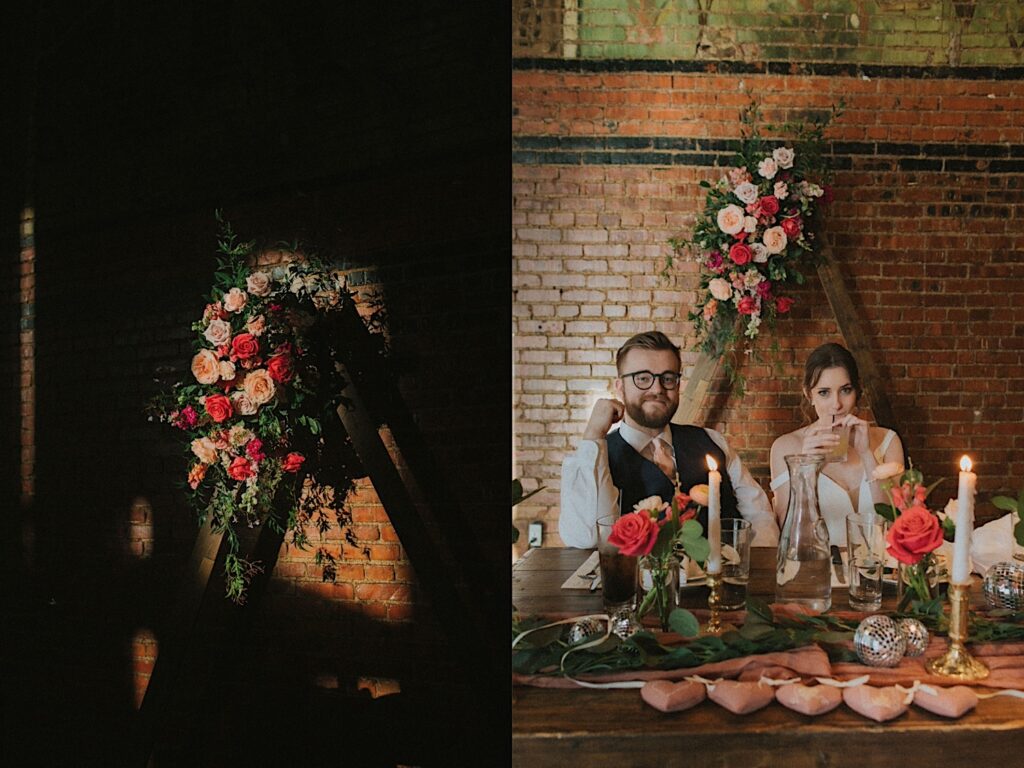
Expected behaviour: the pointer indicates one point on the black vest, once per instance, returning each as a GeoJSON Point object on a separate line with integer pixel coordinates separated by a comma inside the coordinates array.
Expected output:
{"type": "Point", "coordinates": [637, 477]}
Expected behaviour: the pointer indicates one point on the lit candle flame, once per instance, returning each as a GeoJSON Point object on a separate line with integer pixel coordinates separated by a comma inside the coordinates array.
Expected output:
{"type": "Point", "coordinates": [712, 464]}
{"type": "Point", "coordinates": [965, 464]}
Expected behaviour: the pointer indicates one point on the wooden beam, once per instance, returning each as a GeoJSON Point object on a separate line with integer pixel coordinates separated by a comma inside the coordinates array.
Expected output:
{"type": "Point", "coordinates": [852, 331]}
{"type": "Point", "coordinates": [697, 384]}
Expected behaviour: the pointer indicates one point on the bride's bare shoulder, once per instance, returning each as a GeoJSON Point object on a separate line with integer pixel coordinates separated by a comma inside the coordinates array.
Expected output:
{"type": "Point", "coordinates": [789, 441]}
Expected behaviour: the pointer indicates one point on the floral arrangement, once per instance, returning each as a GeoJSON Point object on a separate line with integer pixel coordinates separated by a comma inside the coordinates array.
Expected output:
{"type": "Point", "coordinates": [755, 235]}
{"type": "Point", "coordinates": [916, 532]}
{"type": "Point", "coordinates": [260, 381]}
{"type": "Point", "coordinates": [655, 531]}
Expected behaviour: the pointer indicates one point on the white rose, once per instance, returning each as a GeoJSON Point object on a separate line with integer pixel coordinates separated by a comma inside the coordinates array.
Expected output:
{"type": "Point", "coordinates": [767, 168]}
{"type": "Point", "coordinates": [227, 370]}
{"type": "Point", "coordinates": [651, 502]}
{"type": "Point", "coordinates": [720, 289]}
{"type": "Point", "coordinates": [781, 190]}
{"type": "Point", "coordinates": [235, 299]}
{"type": "Point", "coordinates": [243, 405]}
{"type": "Point", "coordinates": [746, 192]}
{"type": "Point", "coordinates": [887, 470]}
{"type": "Point", "coordinates": [784, 157]}
{"type": "Point", "coordinates": [218, 332]}
{"type": "Point", "coordinates": [258, 386]}
{"type": "Point", "coordinates": [206, 367]}
{"type": "Point", "coordinates": [774, 240]}
{"type": "Point", "coordinates": [258, 284]}
{"type": "Point", "coordinates": [760, 253]}
{"type": "Point", "coordinates": [730, 219]}
{"type": "Point", "coordinates": [749, 223]}
{"type": "Point", "coordinates": [205, 450]}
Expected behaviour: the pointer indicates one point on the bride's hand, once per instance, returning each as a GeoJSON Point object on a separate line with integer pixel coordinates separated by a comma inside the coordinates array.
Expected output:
{"type": "Point", "coordinates": [858, 433]}
{"type": "Point", "coordinates": [818, 439]}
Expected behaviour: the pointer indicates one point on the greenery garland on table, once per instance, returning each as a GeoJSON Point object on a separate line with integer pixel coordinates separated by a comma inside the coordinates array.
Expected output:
{"type": "Point", "coordinates": [263, 379]}
{"type": "Point", "coordinates": [544, 651]}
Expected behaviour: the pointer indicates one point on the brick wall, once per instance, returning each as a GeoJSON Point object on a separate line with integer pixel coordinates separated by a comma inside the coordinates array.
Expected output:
{"type": "Point", "coordinates": [926, 227]}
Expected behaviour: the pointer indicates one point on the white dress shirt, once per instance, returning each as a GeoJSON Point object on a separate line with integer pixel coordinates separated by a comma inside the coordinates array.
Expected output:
{"type": "Point", "coordinates": [588, 492]}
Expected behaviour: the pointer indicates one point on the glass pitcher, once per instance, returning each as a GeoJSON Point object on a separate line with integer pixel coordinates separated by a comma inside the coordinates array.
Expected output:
{"type": "Point", "coordinates": [802, 575]}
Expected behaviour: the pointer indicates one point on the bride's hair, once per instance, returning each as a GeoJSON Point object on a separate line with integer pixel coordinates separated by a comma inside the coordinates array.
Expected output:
{"type": "Point", "coordinates": [826, 356]}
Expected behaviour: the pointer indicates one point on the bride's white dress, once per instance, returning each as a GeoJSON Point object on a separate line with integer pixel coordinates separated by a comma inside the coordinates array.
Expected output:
{"type": "Point", "coordinates": [835, 502]}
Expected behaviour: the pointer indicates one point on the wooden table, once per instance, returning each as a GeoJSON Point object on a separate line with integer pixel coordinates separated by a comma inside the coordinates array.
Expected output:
{"type": "Point", "coordinates": [591, 728]}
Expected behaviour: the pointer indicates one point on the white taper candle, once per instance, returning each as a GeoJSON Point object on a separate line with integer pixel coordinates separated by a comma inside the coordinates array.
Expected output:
{"type": "Point", "coordinates": [964, 523]}
{"type": "Point", "coordinates": [714, 516]}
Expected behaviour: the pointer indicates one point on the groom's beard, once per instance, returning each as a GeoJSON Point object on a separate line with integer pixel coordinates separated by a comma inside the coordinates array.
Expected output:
{"type": "Point", "coordinates": [651, 412]}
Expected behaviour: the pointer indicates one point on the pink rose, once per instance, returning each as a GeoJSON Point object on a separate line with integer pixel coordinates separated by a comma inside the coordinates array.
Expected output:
{"type": "Point", "coordinates": [915, 533]}
{"type": "Point", "coordinates": [244, 347]}
{"type": "Point", "coordinates": [634, 534]}
{"type": "Point", "coordinates": [730, 219]}
{"type": "Point", "coordinates": [219, 408]}
{"type": "Point", "coordinates": [791, 227]}
{"type": "Point", "coordinates": [292, 462]}
{"type": "Point", "coordinates": [783, 304]}
{"type": "Point", "coordinates": [235, 299]}
{"type": "Point", "coordinates": [740, 253]}
{"type": "Point", "coordinates": [218, 332]}
{"type": "Point", "coordinates": [774, 239]}
{"type": "Point", "coordinates": [747, 305]}
{"type": "Point", "coordinates": [240, 469]}
{"type": "Point", "coordinates": [258, 284]}
{"type": "Point", "coordinates": [242, 404]}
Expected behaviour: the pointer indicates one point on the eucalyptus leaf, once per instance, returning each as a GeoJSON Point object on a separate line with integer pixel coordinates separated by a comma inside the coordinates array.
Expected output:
{"type": "Point", "coordinates": [683, 622]}
{"type": "Point", "coordinates": [1005, 503]}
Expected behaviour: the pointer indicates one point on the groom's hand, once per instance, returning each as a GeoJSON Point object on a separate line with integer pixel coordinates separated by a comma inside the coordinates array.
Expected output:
{"type": "Point", "coordinates": [606, 412]}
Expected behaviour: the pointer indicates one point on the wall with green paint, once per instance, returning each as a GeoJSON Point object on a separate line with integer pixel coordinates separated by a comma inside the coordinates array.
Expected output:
{"type": "Point", "coordinates": [893, 32]}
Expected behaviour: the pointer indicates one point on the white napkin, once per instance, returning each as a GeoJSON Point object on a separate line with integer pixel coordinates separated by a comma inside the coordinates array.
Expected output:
{"type": "Point", "coordinates": [992, 543]}
{"type": "Point", "coordinates": [581, 578]}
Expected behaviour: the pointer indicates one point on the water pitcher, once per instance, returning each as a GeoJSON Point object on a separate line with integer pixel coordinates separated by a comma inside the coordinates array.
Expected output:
{"type": "Point", "coordinates": [803, 575]}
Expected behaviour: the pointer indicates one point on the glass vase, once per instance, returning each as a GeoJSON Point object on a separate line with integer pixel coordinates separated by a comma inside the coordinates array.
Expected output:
{"type": "Point", "coordinates": [917, 582]}
{"type": "Point", "coordinates": [659, 586]}
{"type": "Point", "coordinates": [803, 571]}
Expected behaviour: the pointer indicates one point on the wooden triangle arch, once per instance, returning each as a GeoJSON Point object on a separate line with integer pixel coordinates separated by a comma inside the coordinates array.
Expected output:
{"type": "Point", "coordinates": [425, 516]}
{"type": "Point", "coordinates": [692, 397]}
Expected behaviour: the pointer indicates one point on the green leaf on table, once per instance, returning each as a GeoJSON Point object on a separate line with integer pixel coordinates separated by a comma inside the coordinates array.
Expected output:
{"type": "Point", "coordinates": [697, 549]}
{"type": "Point", "coordinates": [886, 511]}
{"type": "Point", "coordinates": [755, 630]}
{"type": "Point", "coordinates": [759, 611]}
{"type": "Point", "coordinates": [683, 622]}
{"type": "Point", "coordinates": [542, 637]}
{"type": "Point", "coordinates": [833, 637]}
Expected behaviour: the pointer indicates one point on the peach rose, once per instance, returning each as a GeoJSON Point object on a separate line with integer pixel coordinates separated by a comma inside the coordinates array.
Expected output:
{"type": "Point", "coordinates": [206, 367]}
{"type": "Point", "coordinates": [205, 450]}
{"type": "Point", "coordinates": [242, 404]}
{"type": "Point", "coordinates": [227, 370]}
{"type": "Point", "coordinates": [256, 325]}
{"type": "Point", "coordinates": [258, 284]}
{"type": "Point", "coordinates": [774, 239]}
{"type": "Point", "coordinates": [218, 332]}
{"type": "Point", "coordinates": [720, 289]}
{"type": "Point", "coordinates": [196, 475]}
{"type": "Point", "coordinates": [235, 299]}
{"type": "Point", "coordinates": [699, 494]}
{"type": "Point", "coordinates": [730, 219]}
{"type": "Point", "coordinates": [258, 386]}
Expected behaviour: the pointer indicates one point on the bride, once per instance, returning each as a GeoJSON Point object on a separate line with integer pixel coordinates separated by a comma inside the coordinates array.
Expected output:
{"type": "Point", "coordinates": [831, 388]}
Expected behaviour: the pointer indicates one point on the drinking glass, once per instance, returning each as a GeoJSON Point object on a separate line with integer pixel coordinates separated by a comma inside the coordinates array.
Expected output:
{"type": "Point", "coordinates": [736, 537]}
{"type": "Point", "coordinates": [865, 550]}
{"type": "Point", "coordinates": [838, 453]}
{"type": "Point", "coordinates": [618, 580]}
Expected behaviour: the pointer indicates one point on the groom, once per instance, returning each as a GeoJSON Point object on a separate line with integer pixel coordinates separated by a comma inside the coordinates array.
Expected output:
{"type": "Point", "coordinates": [612, 471]}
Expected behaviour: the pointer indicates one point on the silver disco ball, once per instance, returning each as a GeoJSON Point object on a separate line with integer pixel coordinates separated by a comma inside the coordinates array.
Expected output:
{"type": "Point", "coordinates": [585, 629]}
{"type": "Point", "coordinates": [879, 642]}
{"type": "Point", "coordinates": [916, 635]}
{"type": "Point", "coordinates": [1004, 586]}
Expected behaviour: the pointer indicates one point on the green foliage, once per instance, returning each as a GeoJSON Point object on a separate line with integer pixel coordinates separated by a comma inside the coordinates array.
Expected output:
{"type": "Point", "coordinates": [1008, 504]}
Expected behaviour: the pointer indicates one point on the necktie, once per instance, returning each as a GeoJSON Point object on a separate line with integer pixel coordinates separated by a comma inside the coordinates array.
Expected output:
{"type": "Point", "coordinates": [660, 455]}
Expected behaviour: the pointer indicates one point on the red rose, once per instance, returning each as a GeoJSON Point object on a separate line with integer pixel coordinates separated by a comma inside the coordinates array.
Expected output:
{"type": "Point", "coordinates": [219, 408]}
{"type": "Point", "coordinates": [915, 533]}
{"type": "Point", "coordinates": [769, 205]}
{"type": "Point", "coordinates": [240, 469]}
{"type": "Point", "coordinates": [244, 346]}
{"type": "Point", "coordinates": [783, 304]}
{"type": "Point", "coordinates": [280, 368]}
{"type": "Point", "coordinates": [747, 305]}
{"type": "Point", "coordinates": [634, 534]}
{"type": "Point", "coordinates": [791, 226]}
{"type": "Point", "coordinates": [292, 462]}
{"type": "Point", "coordinates": [740, 253]}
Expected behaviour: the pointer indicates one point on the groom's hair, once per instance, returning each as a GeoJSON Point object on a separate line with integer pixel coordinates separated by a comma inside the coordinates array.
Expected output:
{"type": "Point", "coordinates": [655, 340]}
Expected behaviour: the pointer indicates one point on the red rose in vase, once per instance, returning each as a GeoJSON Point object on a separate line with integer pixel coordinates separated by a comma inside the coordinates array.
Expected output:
{"type": "Point", "coordinates": [634, 534]}
{"type": "Point", "coordinates": [914, 534]}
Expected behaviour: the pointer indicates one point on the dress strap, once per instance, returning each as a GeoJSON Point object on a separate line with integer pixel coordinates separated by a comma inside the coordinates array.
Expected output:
{"type": "Point", "coordinates": [780, 480]}
{"type": "Point", "coordinates": [884, 446]}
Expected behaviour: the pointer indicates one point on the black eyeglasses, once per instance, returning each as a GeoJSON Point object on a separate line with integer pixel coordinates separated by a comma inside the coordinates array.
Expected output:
{"type": "Point", "coordinates": [645, 379]}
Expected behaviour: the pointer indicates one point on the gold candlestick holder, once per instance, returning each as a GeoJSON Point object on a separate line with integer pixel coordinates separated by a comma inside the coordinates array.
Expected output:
{"type": "Point", "coordinates": [956, 662]}
{"type": "Point", "coordinates": [714, 625]}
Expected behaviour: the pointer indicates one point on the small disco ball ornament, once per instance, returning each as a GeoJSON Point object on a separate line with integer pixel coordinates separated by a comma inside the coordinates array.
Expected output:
{"type": "Point", "coordinates": [879, 642]}
{"type": "Point", "coordinates": [585, 629]}
{"type": "Point", "coordinates": [1004, 586]}
{"type": "Point", "coordinates": [916, 634]}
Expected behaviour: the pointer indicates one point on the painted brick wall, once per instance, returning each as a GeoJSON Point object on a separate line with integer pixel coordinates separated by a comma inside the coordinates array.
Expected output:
{"type": "Point", "coordinates": [927, 228]}
{"type": "Point", "coordinates": [918, 32]}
